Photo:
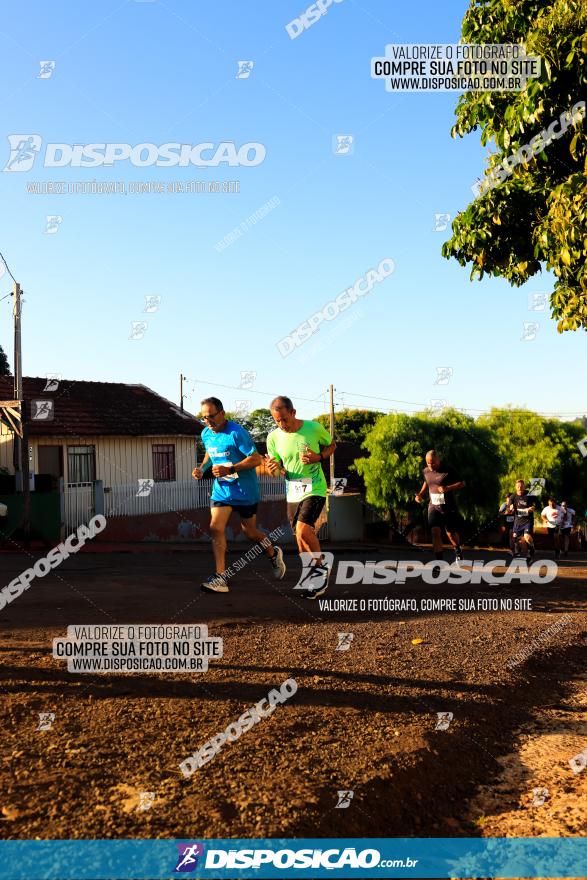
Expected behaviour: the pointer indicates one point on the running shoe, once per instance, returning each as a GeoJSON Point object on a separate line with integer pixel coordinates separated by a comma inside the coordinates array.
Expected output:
{"type": "Point", "coordinates": [278, 563]}
{"type": "Point", "coordinates": [317, 580]}
{"type": "Point", "coordinates": [216, 583]}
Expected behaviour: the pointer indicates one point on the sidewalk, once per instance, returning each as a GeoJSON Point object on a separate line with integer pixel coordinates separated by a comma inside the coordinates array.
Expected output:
{"type": "Point", "coordinates": [140, 547]}
{"type": "Point", "coordinates": [36, 547]}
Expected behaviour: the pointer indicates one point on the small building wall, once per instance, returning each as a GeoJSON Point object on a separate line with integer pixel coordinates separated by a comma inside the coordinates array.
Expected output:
{"type": "Point", "coordinates": [119, 460]}
{"type": "Point", "coordinates": [190, 525]}
{"type": "Point", "coordinates": [6, 447]}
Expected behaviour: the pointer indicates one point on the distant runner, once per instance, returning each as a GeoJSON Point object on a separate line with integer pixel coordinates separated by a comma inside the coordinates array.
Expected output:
{"type": "Point", "coordinates": [567, 520]}
{"type": "Point", "coordinates": [442, 481]}
{"type": "Point", "coordinates": [507, 522]}
{"type": "Point", "coordinates": [233, 457]}
{"type": "Point", "coordinates": [552, 515]}
{"type": "Point", "coordinates": [523, 506]}
{"type": "Point", "coordinates": [297, 448]}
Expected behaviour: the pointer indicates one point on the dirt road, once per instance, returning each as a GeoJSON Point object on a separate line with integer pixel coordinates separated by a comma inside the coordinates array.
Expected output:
{"type": "Point", "coordinates": [363, 720]}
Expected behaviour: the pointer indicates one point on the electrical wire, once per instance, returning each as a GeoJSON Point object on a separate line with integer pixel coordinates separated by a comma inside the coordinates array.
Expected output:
{"type": "Point", "coordinates": [463, 409]}
{"type": "Point", "coordinates": [268, 394]}
{"type": "Point", "coordinates": [7, 268]}
{"type": "Point", "coordinates": [349, 404]}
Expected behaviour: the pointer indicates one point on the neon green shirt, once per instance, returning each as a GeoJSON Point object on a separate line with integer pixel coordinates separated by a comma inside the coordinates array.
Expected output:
{"type": "Point", "coordinates": [303, 480]}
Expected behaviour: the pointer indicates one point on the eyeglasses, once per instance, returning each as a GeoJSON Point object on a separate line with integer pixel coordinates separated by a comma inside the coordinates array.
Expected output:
{"type": "Point", "coordinates": [211, 417]}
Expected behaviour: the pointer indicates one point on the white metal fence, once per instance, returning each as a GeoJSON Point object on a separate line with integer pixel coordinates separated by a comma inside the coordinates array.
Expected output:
{"type": "Point", "coordinates": [78, 504]}
{"type": "Point", "coordinates": [272, 488]}
{"type": "Point", "coordinates": [134, 499]}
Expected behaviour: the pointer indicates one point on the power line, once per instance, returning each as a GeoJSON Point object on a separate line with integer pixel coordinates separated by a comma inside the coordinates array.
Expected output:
{"type": "Point", "coordinates": [7, 268]}
{"type": "Point", "coordinates": [268, 394]}
{"type": "Point", "coordinates": [474, 412]}
{"type": "Point", "coordinates": [387, 399]}
{"type": "Point", "coordinates": [321, 399]}
{"type": "Point", "coordinates": [462, 408]}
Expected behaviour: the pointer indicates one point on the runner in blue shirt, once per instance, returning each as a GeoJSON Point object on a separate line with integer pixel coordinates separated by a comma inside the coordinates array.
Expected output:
{"type": "Point", "coordinates": [232, 457]}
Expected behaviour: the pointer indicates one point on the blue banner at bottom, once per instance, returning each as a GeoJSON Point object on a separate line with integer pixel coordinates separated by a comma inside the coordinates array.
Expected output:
{"type": "Point", "coordinates": [303, 858]}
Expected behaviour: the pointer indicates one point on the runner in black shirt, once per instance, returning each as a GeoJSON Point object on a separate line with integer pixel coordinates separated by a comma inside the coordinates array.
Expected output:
{"type": "Point", "coordinates": [522, 506]}
{"type": "Point", "coordinates": [441, 481]}
{"type": "Point", "coordinates": [507, 522]}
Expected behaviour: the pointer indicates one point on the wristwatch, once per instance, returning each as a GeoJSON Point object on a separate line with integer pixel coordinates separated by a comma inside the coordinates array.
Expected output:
{"type": "Point", "coordinates": [233, 470]}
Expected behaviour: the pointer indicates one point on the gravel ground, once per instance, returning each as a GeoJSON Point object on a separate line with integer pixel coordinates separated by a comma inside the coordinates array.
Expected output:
{"type": "Point", "coordinates": [362, 720]}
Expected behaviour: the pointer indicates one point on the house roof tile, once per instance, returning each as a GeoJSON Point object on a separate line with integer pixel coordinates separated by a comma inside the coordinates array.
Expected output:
{"type": "Point", "coordinates": [102, 408]}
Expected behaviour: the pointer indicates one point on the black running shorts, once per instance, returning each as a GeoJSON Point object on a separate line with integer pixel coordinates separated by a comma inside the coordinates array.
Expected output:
{"type": "Point", "coordinates": [450, 520]}
{"type": "Point", "coordinates": [306, 511]}
{"type": "Point", "coordinates": [245, 511]}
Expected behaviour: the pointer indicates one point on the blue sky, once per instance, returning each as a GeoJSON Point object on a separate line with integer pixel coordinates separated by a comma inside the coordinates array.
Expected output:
{"type": "Point", "coordinates": [160, 72]}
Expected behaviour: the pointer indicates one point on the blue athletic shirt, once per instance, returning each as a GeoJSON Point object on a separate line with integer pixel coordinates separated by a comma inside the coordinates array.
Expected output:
{"type": "Point", "coordinates": [227, 447]}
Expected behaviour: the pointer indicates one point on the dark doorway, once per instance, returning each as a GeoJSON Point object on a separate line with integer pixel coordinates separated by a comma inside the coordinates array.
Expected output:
{"type": "Point", "coordinates": [51, 463]}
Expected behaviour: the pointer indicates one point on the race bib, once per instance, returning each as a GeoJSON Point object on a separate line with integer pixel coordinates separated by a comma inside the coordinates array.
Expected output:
{"type": "Point", "coordinates": [437, 498]}
{"type": "Point", "coordinates": [298, 488]}
{"type": "Point", "coordinates": [229, 477]}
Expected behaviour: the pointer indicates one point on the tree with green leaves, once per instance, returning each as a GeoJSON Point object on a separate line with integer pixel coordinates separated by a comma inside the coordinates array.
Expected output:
{"type": "Point", "coordinates": [4, 365]}
{"type": "Point", "coordinates": [531, 446]}
{"type": "Point", "coordinates": [536, 217]}
{"type": "Point", "coordinates": [258, 422]}
{"type": "Point", "coordinates": [397, 446]}
{"type": "Point", "coordinates": [351, 424]}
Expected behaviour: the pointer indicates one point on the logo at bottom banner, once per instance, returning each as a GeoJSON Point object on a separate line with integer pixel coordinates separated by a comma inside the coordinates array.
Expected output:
{"type": "Point", "coordinates": [290, 858]}
{"type": "Point", "coordinates": [189, 854]}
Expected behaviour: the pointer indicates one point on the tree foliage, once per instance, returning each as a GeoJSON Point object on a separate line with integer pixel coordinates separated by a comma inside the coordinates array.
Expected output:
{"type": "Point", "coordinates": [351, 424]}
{"type": "Point", "coordinates": [535, 447]}
{"type": "Point", "coordinates": [397, 447]}
{"type": "Point", "coordinates": [490, 453]}
{"type": "Point", "coordinates": [4, 365]}
{"type": "Point", "coordinates": [537, 217]}
{"type": "Point", "coordinates": [258, 422]}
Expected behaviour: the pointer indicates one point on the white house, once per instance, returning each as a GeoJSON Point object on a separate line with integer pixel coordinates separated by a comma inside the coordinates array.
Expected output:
{"type": "Point", "coordinates": [109, 431]}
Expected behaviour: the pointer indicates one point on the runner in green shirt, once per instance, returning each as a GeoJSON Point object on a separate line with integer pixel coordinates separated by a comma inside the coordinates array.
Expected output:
{"type": "Point", "coordinates": [296, 449]}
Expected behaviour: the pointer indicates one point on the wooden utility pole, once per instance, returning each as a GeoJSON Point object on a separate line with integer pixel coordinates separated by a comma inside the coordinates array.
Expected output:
{"type": "Point", "coordinates": [22, 442]}
{"type": "Point", "coordinates": [332, 434]}
{"type": "Point", "coordinates": [181, 379]}
{"type": "Point", "coordinates": [16, 308]}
